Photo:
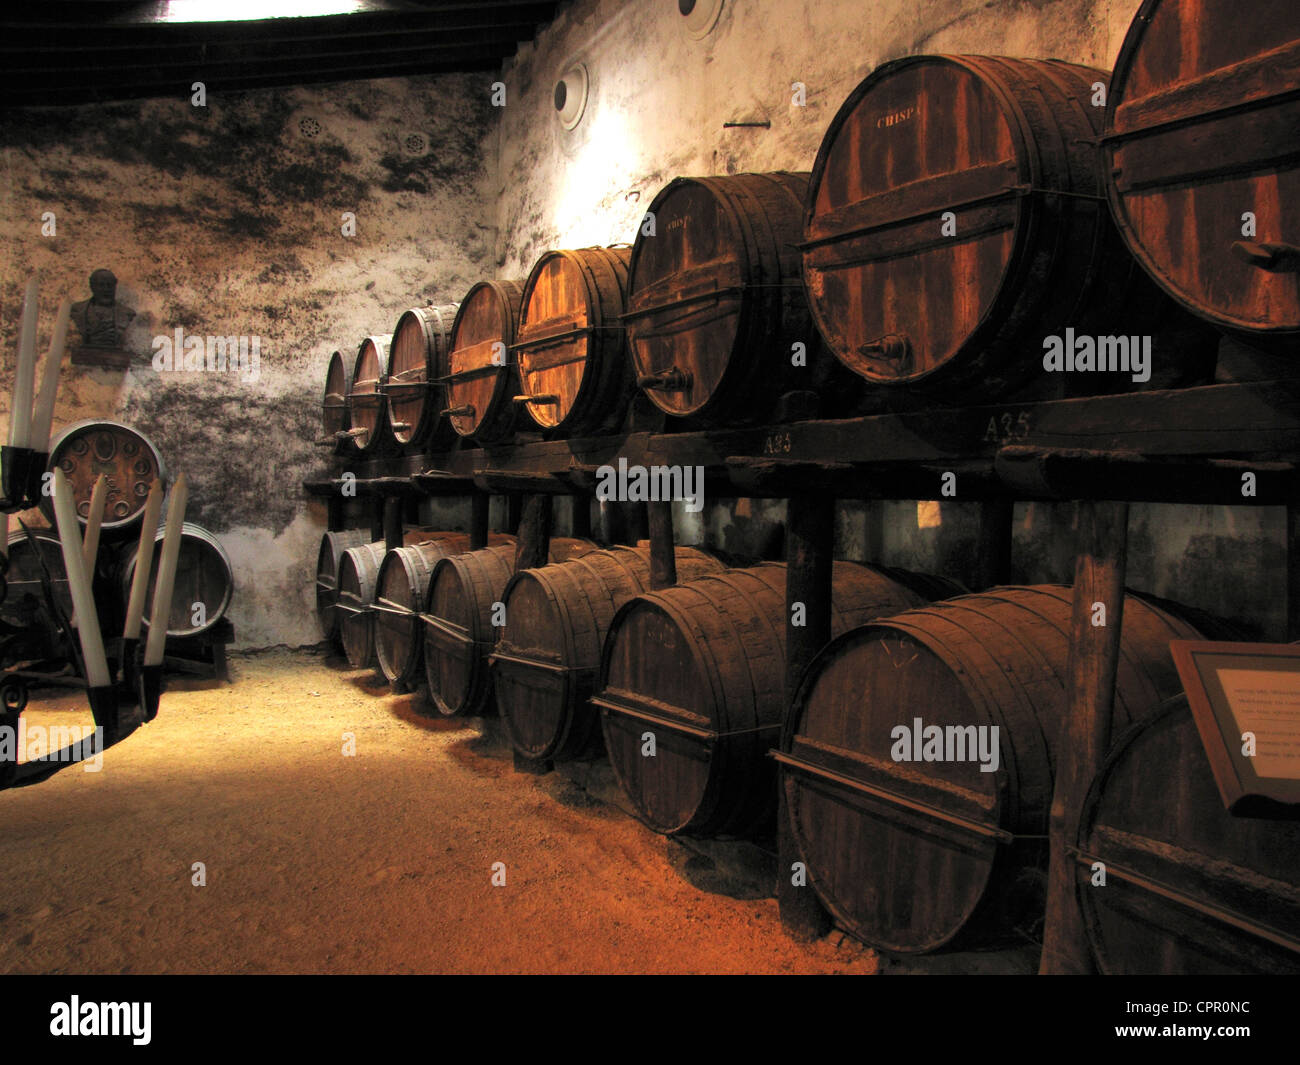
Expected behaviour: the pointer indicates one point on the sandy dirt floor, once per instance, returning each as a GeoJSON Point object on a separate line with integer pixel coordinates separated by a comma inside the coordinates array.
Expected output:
{"type": "Point", "coordinates": [379, 862]}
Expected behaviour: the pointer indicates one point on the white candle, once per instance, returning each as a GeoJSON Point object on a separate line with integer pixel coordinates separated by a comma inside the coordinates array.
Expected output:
{"type": "Point", "coordinates": [83, 601]}
{"type": "Point", "coordinates": [143, 563]}
{"type": "Point", "coordinates": [90, 549]}
{"type": "Point", "coordinates": [162, 590]}
{"type": "Point", "coordinates": [43, 415]}
{"type": "Point", "coordinates": [94, 519]}
{"type": "Point", "coordinates": [20, 417]}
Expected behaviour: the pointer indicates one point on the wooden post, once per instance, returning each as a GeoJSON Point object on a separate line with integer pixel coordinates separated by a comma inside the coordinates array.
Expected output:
{"type": "Point", "coordinates": [992, 546]}
{"type": "Point", "coordinates": [335, 513]}
{"type": "Point", "coordinates": [581, 516]}
{"type": "Point", "coordinates": [1293, 572]}
{"type": "Point", "coordinates": [1099, 571]}
{"type": "Point", "coordinates": [392, 519]}
{"type": "Point", "coordinates": [636, 522]}
{"type": "Point", "coordinates": [514, 511]}
{"type": "Point", "coordinates": [377, 518]}
{"type": "Point", "coordinates": [479, 503]}
{"type": "Point", "coordinates": [533, 548]}
{"type": "Point", "coordinates": [663, 557]}
{"type": "Point", "coordinates": [809, 546]}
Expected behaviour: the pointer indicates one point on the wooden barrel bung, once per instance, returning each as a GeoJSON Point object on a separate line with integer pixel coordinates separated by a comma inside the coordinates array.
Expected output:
{"type": "Point", "coordinates": [483, 378]}
{"type": "Point", "coordinates": [715, 300]}
{"type": "Point", "coordinates": [417, 361]}
{"type": "Point", "coordinates": [571, 344]}
{"type": "Point", "coordinates": [335, 421]}
{"type": "Point", "coordinates": [24, 602]}
{"type": "Point", "coordinates": [1203, 130]}
{"type": "Point", "coordinates": [700, 668]}
{"type": "Point", "coordinates": [1190, 889]}
{"type": "Point", "coordinates": [913, 855]}
{"type": "Point", "coordinates": [355, 599]}
{"type": "Point", "coordinates": [204, 586]}
{"type": "Point", "coordinates": [548, 652]}
{"type": "Point", "coordinates": [956, 221]}
{"type": "Point", "coordinates": [459, 630]}
{"type": "Point", "coordinates": [132, 464]}
{"type": "Point", "coordinates": [367, 407]}
{"type": "Point", "coordinates": [332, 546]}
{"type": "Point", "coordinates": [402, 585]}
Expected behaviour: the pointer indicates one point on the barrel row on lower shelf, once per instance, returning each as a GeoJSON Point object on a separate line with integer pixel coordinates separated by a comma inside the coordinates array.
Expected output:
{"type": "Point", "coordinates": [917, 759]}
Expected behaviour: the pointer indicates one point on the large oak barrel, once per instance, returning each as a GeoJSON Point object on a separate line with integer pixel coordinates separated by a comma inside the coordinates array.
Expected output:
{"type": "Point", "coordinates": [548, 652]}
{"type": "Point", "coordinates": [367, 408]}
{"type": "Point", "coordinates": [358, 572]}
{"type": "Point", "coordinates": [86, 449]}
{"type": "Point", "coordinates": [571, 346]}
{"type": "Point", "coordinates": [701, 667]}
{"type": "Point", "coordinates": [402, 585]}
{"type": "Point", "coordinates": [458, 631]}
{"type": "Point", "coordinates": [203, 579]}
{"type": "Point", "coordinates": [1189, 887]}
{"type": "Point", "coordinates": [715, 300]}
{"type": "Point", "coordinates": [484, 379]}
{"type": "Point", "coordinates": [417, 361]}
{"type": "Point", "coordinates": [1204, 126]}
{"type": "Point", "coordinates": [332, 546]}
{"type": "Point", "coordinates": [913, 855]}
{"type": "Point", "coordinates": [24, 601]}
{"type": "Point", "coordinates": [335, 421]}
{"type": "Point", "coordinates": [956, 220]}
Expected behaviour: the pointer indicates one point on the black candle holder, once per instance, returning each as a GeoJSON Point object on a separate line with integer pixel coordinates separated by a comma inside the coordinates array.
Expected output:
{"type": "Point", "coordinates": [104, 708]}
{"type": "Point", "coordinates": [21, 469]}
{"type": "Point", "coordinates": [149, 684]}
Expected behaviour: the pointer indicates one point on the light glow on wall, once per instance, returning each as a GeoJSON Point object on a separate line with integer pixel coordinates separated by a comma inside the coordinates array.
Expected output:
{"type": "Point", "coordinates": [255, 10]}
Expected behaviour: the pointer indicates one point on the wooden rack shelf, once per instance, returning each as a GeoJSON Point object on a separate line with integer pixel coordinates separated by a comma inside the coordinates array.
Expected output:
{"type": "Point", "coordinates": [1188, 445]}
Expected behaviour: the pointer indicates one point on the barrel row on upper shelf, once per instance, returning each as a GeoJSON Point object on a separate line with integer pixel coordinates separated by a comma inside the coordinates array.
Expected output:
{"type": "Point", "coordinates": [974, 228]}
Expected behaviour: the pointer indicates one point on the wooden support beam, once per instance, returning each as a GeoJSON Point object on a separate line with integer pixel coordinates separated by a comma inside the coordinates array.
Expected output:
{"type": "Point", "coordinates": [533, 547]}
{"type": "Point", "coordinates": [663, 556]}
{"type": "Point", "coordinates": [514, 511]}
{"type": "Point", "coordinates": [1293, 572]}
{"type": "Point", "coordinates": [581, 516]}
{"type": "Point", "coordinates": [376, 504]}
{"type": "Point", "coordinates": [479, 504]}
{"type": "Point", "coordinates": [809, 547]}
{"type": "Point", "coordinates": [392, 522]}
{"type": "Point", "coordinates": [335, 512]}
{"type": "Point", "coordinates": [1100, 566]}
{"type": "Point", "coordinates": [992, 546]}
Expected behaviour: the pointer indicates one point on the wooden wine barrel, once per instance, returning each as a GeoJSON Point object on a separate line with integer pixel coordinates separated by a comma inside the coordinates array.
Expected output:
{"type": "Point", "coordinates": [367, 408]}
{"type": "Point", "coordinates": [24, 602]}
{"type": "Point", "coordinates": [86, 449]}
{"type": "Point", "coordinates": [956, 219]}
{"type": "Point", "coordinates": [402, 586]}
{"type": "Point", "coordinates": [484, 378]}
{"type": "Point", "coordinates": [1189, 887]}
{"type": "Point", "coordinates": [203, 576]}
{"type": "Point", "coordinates": [1203, 125]}
{"type": "Point", "coordinates": [458, 631]}
{"type": "Point", "coordinates": [715, 300]}
{"type": "Point", "coordinates": [332, 546]}
{"type": "Point", "coordinates": [358, 584]}
{"type": "Point", "coordinates": [701, 666]}
{"type": "Point", "coordinates": [548, 652]}
{"type": "Point", "coordinates": [911, 856]}
{"type": "Point", "coordinates": [335, 421]}
{"type": "Point", "coordinates": [571, 346]}
{"type": "Point", "coordinates": [417, 361]}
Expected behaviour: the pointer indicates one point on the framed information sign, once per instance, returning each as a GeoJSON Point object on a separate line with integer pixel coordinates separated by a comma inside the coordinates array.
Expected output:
{"type": "Point", "coordinates": [1245, 698]}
